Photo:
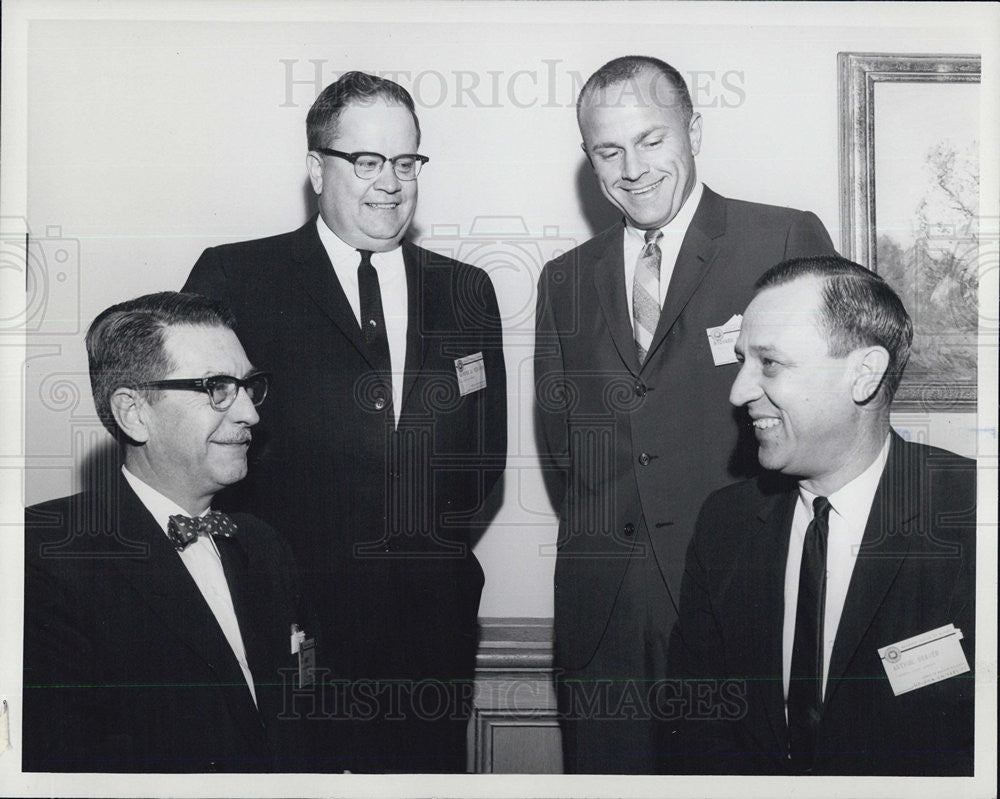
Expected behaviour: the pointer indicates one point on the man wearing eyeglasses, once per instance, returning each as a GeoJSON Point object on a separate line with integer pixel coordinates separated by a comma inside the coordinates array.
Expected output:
{"type": "Point", "coordinates": [379, 457]}
{"type": "Point", "coordinates": [158, 631]}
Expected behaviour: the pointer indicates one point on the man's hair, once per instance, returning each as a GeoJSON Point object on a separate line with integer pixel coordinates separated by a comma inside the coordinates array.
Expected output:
{"type": "Point", "coordinates": [352, 88]}
{"type": "Point", "coordinates": [624, 69]}
{"type": "Point", "coordinates": [125, 343]}
{"type": "Point", "coordinates": [859, 310]}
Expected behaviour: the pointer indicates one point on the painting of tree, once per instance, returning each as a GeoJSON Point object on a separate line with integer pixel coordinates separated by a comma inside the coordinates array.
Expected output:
{"type": "Point", "coordinates": [937, 275]}
{"type": "Point", "coordinates": [927, 232]}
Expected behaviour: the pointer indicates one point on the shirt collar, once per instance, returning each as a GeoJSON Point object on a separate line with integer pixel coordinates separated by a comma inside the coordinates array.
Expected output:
{"type": "Point", "coordinates": [680, 223]}
{"type": "Point", "coordinates": [853, 501]}
{"type": "Point", "coordinates": [161, 507]}
{"type": "Point", "coordinates": [342, 252]}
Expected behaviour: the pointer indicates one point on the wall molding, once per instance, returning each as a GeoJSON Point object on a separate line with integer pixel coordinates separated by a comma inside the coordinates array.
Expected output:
{"type": "Point", "coordinates": [514, 726]}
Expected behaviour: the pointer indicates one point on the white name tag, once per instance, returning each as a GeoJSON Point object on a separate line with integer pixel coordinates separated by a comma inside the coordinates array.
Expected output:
{"type": "Point", "coordinates": [471, 373]}
{"type": "Point", "coordinates": [722, 340]}
{"type": "Point", "coordinates": [305, 648]}
{"type": "Point", "coordinates": [924, 659]}
{"type": "Point", "coordinates": [298, 636]}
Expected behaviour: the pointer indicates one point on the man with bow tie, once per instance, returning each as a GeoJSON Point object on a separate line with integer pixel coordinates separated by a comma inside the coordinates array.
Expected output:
{"type": "Point", "coordinates": [158, 632]}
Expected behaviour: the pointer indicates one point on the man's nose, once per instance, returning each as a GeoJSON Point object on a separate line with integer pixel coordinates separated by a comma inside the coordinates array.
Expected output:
{"type": "Point", "coordinates": [745, 388]}
{"type": "Point", "coordinates": [633, 165]}
{"type": "Point", "coordinates": [243, 410]}
{"type": "Point", "coordinates": [387, 180]}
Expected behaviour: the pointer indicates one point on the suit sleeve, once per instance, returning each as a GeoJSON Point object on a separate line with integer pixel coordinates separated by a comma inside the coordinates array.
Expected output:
{"type": "Point", "coordinates": [495, 434]}
{"type": "Point", "coordinates": [696, 742]}
{"type": "Point", "coordinates": [807, 237]}
{"type": "Point", "coordinates": [209, 277]}
{"type": "Point", "coordinates": [958, 486]}
{"type": "Point", "coordinates": [62, 718]}
{"type": "Point", "coordinates": [551, 411]}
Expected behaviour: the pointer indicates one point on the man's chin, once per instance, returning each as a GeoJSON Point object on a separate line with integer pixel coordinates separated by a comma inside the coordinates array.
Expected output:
{"type": "Point", "coordinates": [383, 240]}
{"type": "Point", "coordinates": [647, 220]}
{"type": "Point", "coordinates": [231, 473]}
{"type": "Point", "coordinates": [770, 460]}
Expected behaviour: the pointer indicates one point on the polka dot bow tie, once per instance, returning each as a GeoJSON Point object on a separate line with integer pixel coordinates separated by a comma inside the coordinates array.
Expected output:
{"type": "Point", "coordinates": [183, 530]}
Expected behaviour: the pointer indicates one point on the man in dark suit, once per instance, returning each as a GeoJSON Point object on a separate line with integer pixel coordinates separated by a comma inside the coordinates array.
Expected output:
{"type": "Point", "coordinates": [389, 434]}
{"type": "Point", "coordinates": [632, 366]}
{"type": "Point", "coordinates": [831, 600]}
{"type": "Point", "coordinates": [156, 631]}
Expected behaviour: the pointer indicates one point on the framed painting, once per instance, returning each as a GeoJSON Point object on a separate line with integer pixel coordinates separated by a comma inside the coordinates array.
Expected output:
{"type": "Point", "coordinates": [909, 193]}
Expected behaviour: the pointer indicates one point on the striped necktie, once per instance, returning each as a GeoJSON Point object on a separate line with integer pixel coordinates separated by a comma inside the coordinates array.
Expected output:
{"type": "Point", "coordinates": [646, 294]}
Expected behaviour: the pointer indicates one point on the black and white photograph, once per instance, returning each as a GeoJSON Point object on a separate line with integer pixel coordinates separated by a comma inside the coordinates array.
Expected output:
{"type": "Point", "coordinates": [499, 399]}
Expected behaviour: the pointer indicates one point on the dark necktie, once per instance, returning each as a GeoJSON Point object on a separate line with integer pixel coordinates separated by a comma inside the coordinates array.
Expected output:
{"type": "Point", "coordinates": [646, 294]}
{"type": "Point", "coordinates": [372, 318]}
{"type": "Point", "coordinates": [373, 327]}
{"type": "Point", "coordinates": [183, 530]}
{"type": "Point", "coordinates": [805, 686]}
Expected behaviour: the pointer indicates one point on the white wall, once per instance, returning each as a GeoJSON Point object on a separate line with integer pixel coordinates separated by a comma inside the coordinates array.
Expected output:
{"type": "Point", "coordinates": [149, 140]}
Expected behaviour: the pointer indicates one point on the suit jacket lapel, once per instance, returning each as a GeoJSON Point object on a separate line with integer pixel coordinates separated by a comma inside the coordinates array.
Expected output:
{"type": "Point", "coordinates": [171, 593]}
{"type": "Point", "coordinates": [420, 306]}
{"type": "Point", "coordinates": [316, 276]}
{"type": "Point", "coordinates": [883, 550]}
{"type": "Point", "coordinates": [761, 622]}
{"type": "Point", "coordinates": [237, 556]}
{"type": "Point", "coordinates": [609, 282]}
{"type": "Point", "coordinates": [697, 253]}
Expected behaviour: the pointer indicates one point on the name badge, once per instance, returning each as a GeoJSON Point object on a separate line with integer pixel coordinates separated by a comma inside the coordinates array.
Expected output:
{"type": "Point", "coordinates": [722, 340]}
{"type": "Point", "coordinates": [924, 659]}
{"type": "Point", "coordinates": [471, 373]}
{"type": "Point", "coordinates": [305, 648]}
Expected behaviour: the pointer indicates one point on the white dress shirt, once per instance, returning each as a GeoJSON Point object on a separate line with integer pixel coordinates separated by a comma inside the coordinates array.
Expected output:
{"type": "Point", "coordinates": [392, 286]}
{"type": "Point", "coordinates": [670, 246]}
{"type": "Point", "coordinates": [201, 558]}
{"type": "Point", "coordinates": [849, 511]}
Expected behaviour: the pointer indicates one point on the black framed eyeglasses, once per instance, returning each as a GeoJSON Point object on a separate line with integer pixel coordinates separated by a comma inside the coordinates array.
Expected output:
{"type": "Point", "coordinates": [369, 165]}
{"type": "Point", "coordinates": [221, 389]}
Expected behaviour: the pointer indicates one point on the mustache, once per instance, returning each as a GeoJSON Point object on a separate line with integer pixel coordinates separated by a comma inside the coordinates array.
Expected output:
{"type": "Point", "coordinates": [239, 438]}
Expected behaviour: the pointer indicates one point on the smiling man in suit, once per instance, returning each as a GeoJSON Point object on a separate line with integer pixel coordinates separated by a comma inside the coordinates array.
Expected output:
{"type": "Point", "coordinates": [835, 594]}
{"type": "Point", "coordinates": [633, 362]}
{"type": "Point", "coordinates": [381, 460]}
{"type": "Point", "coordinates": [157, 631]}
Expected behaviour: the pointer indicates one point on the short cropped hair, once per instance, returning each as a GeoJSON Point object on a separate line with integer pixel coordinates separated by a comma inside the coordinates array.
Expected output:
{"type": "Point", "coordinates": [356, 88]}
{"type": "Point", "coordinates": [621, 70]}
{"type": "Point", "coordinates": [125, 343]}
{"type": "Point", "coordinates": [859, 310]}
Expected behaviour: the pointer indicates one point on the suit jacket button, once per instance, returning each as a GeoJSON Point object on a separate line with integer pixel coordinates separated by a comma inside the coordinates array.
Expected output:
{"type": "Point", "coordinates": [629, 530]}
{"type": "Point", "coordinates": [644, 459]}
{"type": "Point", "coordinates": [640, 389]}
{"type": "Point", "coordinates": [379, 403]}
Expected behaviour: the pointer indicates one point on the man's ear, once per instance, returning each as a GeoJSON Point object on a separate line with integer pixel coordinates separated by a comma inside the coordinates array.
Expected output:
{"type": "Point", "coordinates": [694, 133]}
{"type": "Point", "coordinates": [314, 166]}
{"type": "Point", "coordinates": [129, 409]}
{"type": "Point", "coordinates": [871, 366]}
{"type": "Point", "coordinates": [583, 146]}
